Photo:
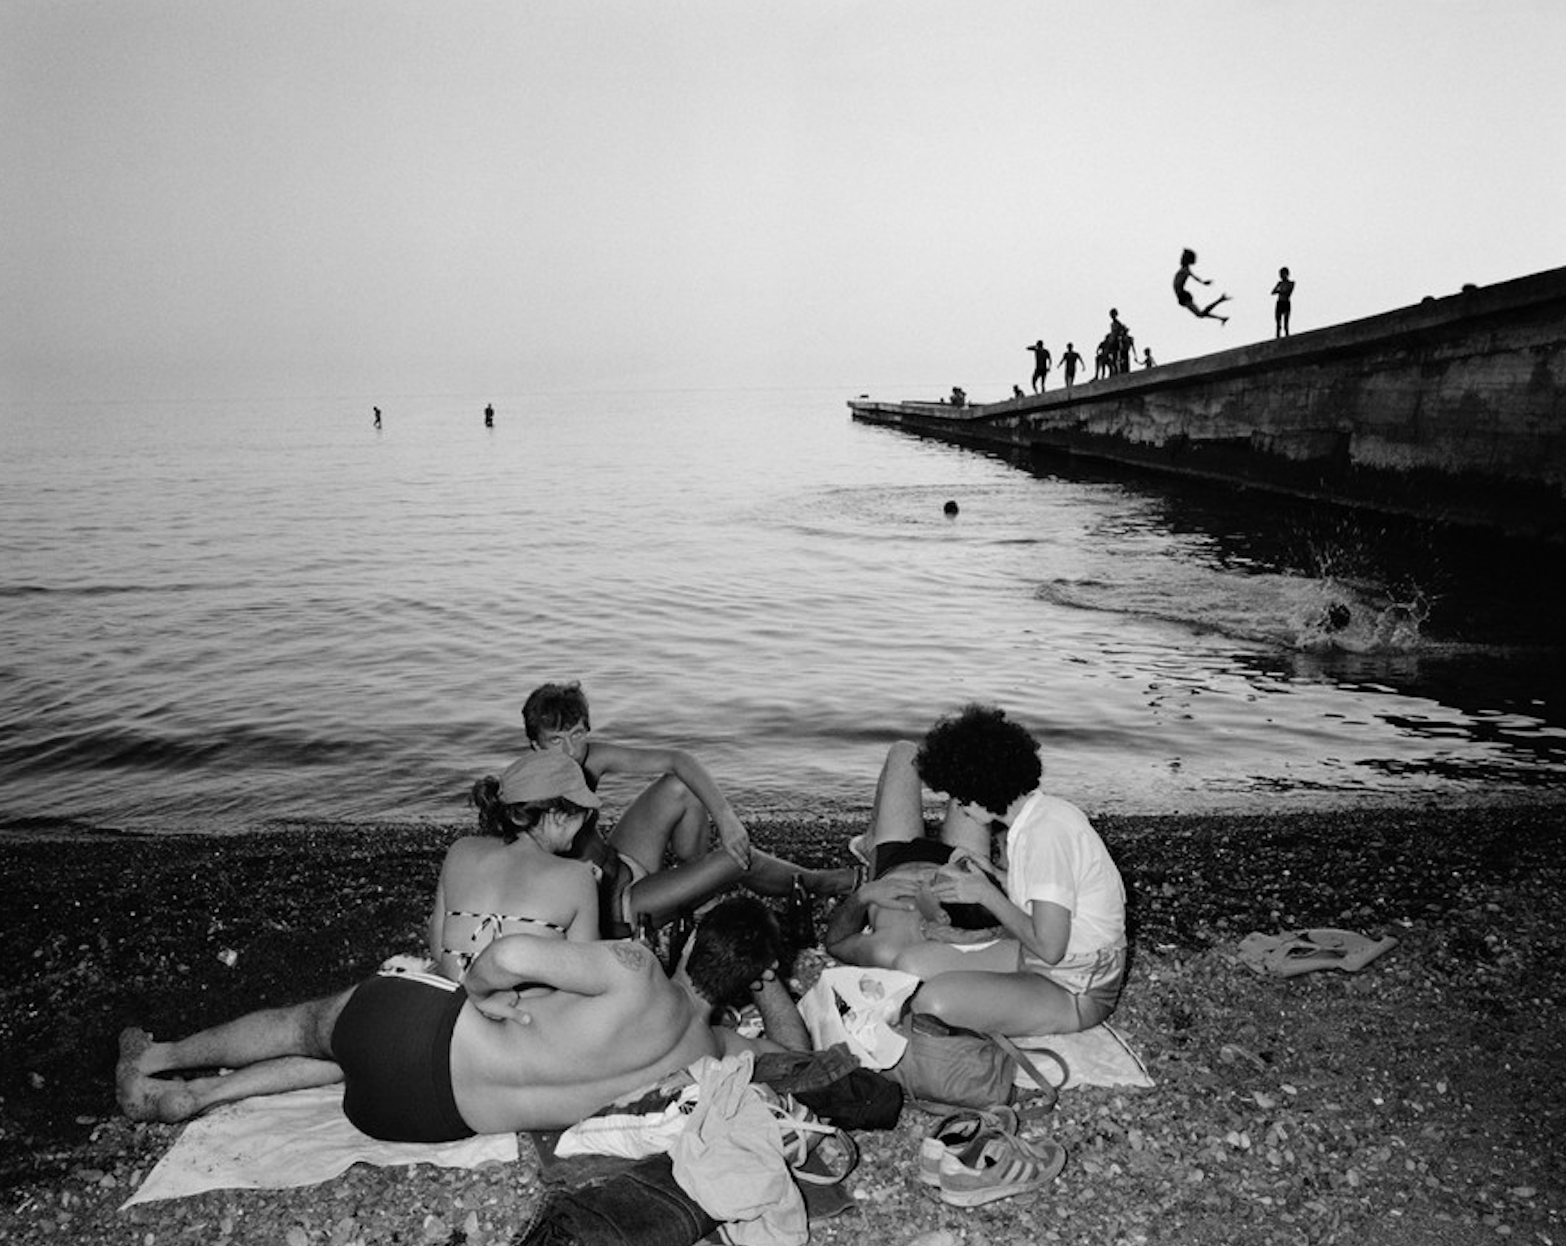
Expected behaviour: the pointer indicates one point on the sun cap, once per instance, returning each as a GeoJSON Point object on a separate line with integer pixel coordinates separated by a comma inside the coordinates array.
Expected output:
{"type": "Point", "coordinates": [544, 775]}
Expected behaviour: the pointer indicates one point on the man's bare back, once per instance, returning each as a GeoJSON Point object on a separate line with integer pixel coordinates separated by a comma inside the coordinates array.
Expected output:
{"type": "Point", "coordinates": [567, 1055]}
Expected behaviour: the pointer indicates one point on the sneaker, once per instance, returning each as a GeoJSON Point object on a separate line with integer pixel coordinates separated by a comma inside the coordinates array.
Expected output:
{"type": "Point", "coordinates": [998, 1165]}
{"type": "Point", "coordinates": [956, 1132]}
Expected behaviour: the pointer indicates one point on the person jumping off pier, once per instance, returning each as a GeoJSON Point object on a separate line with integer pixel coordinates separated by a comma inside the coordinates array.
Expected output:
{"type": "Point", "coordinates": [1187, 258]}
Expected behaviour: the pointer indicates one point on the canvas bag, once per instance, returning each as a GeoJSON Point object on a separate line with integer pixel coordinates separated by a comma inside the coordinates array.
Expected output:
{"type": "Point", "coordinates": [945, 1067]}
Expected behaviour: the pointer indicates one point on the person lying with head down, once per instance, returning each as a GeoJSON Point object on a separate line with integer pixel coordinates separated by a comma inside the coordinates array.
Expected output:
{"type": "Point", "coordinates": [425, 1059]}
{"type": "Point", "coordinates": [1059, 960]}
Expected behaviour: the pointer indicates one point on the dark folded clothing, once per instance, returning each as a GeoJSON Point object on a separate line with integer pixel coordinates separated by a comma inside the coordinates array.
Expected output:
{"type": "Point", "coordinates": [642, 1205]}
{"type": "Point", "coordinates": [602, 1200]}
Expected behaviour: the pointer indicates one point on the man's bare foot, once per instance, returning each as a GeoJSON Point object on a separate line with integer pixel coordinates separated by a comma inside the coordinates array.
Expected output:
{"type": "Point", "coordinates": [141, 1096]}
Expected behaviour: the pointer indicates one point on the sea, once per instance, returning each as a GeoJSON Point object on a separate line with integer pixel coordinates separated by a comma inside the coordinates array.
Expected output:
{"type": "Point", "coordinates": [224, 617]}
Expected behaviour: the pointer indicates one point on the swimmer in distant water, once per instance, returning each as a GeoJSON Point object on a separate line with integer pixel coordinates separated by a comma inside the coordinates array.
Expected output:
{"type": "Point", "coordinates": [950, 508]}
{"type": "Point", "coordinates": [1187, 258]}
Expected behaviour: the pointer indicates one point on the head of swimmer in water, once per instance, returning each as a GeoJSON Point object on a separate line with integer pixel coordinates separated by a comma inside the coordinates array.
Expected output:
{"type": "Point", "coordinates": [555, 716]}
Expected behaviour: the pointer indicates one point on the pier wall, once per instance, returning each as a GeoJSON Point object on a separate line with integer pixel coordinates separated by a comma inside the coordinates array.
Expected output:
{"type": "Point", "coordinates": [1453, 409]}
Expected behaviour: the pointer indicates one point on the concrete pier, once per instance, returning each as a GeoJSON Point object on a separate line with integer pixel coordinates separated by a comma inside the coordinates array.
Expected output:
{"type": "Point", "coordinates": [1453, 410]}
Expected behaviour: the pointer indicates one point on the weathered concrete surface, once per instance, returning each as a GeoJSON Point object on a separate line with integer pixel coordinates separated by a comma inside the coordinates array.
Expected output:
{"type": "Point", "coordinates": [1453, 409]}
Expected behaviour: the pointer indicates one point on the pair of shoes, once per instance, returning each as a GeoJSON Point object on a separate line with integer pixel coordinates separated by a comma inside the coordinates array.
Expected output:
{"type": "Point", "coordinates": [999, 1165]}
{"type": "Point", "coordinates": [1303, 951]}
{"type": "Point", "coordinates": [959, 1130]}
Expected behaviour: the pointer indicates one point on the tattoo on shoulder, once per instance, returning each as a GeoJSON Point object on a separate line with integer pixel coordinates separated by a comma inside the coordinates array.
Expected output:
{"type": "Point", "coordinates": [631, 955]}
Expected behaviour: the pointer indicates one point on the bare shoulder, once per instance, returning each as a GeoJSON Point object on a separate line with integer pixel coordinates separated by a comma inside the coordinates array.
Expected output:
{"type": "Point", "coordinates": [470, 848]}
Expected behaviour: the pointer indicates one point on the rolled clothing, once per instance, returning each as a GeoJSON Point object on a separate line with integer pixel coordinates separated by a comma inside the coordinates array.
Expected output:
{"type": "Point", "coordinates": [393, 1041]}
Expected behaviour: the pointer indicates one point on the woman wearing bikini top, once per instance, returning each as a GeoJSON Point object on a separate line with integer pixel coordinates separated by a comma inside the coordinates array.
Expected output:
{"type": "Point", "coordinates": [513, 878]}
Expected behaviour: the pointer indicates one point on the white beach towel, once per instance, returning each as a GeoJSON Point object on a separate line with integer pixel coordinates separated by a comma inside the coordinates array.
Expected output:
{"type": "Point", "coordinates": [1097, 1057]}
{"type": "Point", "coordinates": [274, 1142]}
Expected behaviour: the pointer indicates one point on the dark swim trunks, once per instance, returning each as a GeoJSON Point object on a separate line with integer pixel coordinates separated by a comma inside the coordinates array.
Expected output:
{"type": "Point", "coordinates": [893, 853]}
{"type": "Point", "coordinates": [393, 1041]}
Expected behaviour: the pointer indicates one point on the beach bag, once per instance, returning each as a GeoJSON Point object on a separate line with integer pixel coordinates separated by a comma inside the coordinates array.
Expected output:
{"type": "Point", "coordinates": [946, 1067]}
{"type": "Point", "coordinates": [859, 1007]}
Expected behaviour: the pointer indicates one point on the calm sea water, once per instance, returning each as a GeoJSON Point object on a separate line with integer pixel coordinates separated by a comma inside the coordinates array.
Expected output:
{"type": "Point", "coordinates": [214, 617]}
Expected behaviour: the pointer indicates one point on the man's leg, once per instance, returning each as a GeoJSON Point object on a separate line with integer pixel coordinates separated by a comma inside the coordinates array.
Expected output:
{"type": "Point", "coordinates": [666, 815]}
{"type": "Point", "coordinates": [898, 813]}
{"type": "Point", "coordinates": [270, 1051]}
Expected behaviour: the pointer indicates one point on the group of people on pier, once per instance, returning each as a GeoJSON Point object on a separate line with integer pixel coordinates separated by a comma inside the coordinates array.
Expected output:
{"type": "Point", "coordinates": [1116, 352]}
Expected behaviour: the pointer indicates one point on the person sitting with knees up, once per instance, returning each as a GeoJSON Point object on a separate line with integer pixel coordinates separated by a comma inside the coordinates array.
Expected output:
{"type": "Point", "coordinates": [1058, 964]}
{"type": "Point", "coordinates": [671, 815]}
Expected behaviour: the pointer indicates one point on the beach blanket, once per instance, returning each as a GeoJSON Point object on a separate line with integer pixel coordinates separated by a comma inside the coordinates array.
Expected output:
{"type": "Point", "coordinates": [275, 1142]}
{"type": "Point", "coordinates": [1097, 1057]}
{"type": "Point", "coordinates": [860, 1006]}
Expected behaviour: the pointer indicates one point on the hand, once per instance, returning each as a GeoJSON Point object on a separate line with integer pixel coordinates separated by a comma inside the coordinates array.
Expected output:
{"type": "Point", "coordinates": [735, 839]}
{"type": "Point", "coordinates": [961, 881]}
{"type": "Point", "coordinates": [503, 1006]}
{"type": "Point", "coordinates": [760, 984]}
{"type": "Point", "coordinates": [889, 893]}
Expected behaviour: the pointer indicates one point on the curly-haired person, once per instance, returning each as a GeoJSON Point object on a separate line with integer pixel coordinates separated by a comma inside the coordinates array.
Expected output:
{"type": "Point", "coordinates": [1058, 909]}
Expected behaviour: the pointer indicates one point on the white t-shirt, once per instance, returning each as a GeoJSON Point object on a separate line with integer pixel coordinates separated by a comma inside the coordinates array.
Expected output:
{"type": "Point", "coordinates": [1054, 854]}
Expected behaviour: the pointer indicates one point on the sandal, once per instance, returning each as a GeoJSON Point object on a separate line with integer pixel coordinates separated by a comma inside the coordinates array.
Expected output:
{"type": "Point", "coordinates": [830, 1160]}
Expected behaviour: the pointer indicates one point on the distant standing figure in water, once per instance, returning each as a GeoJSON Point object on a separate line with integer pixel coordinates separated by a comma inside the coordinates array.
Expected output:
{"type": "Point", "coordinates": [1285, 292]}
{"type": "Point", "coordinates": [1041, 363]}
{"type": "Point", "coordinates": [489, 416]}
{"type": "Point", "coordinates": [1069, 363]}
{"type": "Point", "coordinates": [377, 411]}
{"type": "Point", "coordinates": [1187, 258]}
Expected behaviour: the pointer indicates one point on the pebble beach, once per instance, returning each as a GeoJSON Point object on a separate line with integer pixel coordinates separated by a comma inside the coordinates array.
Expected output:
{"type": "Point", "coordinates": [1420, 1100]}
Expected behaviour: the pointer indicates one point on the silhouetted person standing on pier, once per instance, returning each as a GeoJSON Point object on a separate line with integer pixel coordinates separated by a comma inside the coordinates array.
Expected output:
{"type": "Point", "coordinates": [377, 411]}
{"type": "Point", "coordinates": [1117, 344]}
{"type": "Point", "coordinates": [1041, 363]}
{"type": "Point", "coordinates": [489, 416]}
{"type": "Point", "coordinates": [1069, 363]}
{"type": "Point", "coordinates": [1285, 292]}
{"type": "Point", "coordinates": [1187, 258]}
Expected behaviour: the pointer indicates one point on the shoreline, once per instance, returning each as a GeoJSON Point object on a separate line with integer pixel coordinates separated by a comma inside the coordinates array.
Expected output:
{"type": "Point", "coordinates": [1433, 1077]}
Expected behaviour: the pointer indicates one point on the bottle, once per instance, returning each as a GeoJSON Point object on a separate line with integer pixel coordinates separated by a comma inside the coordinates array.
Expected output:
{"type": "Point", "coordinates": [679, 936]}
{"type": "Point", "coordinates": [801, 920]}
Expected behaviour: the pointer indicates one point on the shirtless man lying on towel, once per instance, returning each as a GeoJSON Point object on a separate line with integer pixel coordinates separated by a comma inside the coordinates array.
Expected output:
{"type": "Point", "coordinates": [425, 1059]}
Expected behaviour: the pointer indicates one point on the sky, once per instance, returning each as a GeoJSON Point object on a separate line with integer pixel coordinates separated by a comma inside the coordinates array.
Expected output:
{"type": "Point", "coordinates": [204, 199]}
